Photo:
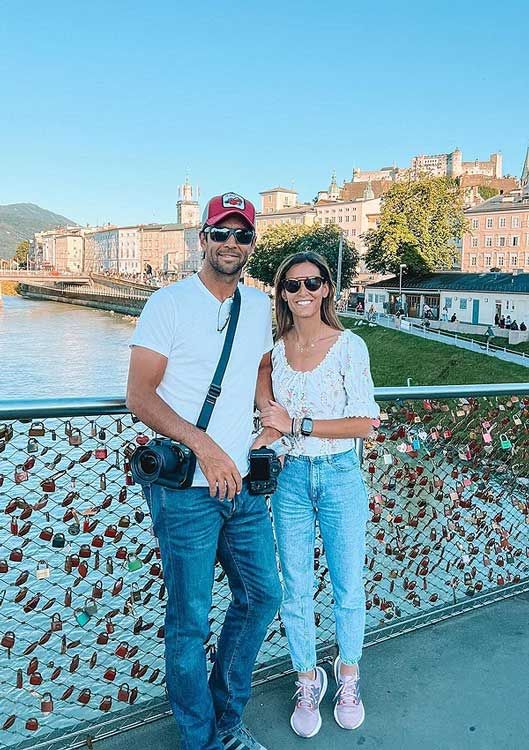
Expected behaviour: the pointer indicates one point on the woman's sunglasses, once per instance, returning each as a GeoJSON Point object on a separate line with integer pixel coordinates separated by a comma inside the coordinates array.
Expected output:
{"type": "Point", "coordinates": [222, 234]}
{"type": "Point", "coordinates": [312, 284]}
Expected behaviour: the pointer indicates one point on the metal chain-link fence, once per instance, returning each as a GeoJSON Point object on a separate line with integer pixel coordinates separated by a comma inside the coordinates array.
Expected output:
{"type": "Point", "coordinates": [82, 597]}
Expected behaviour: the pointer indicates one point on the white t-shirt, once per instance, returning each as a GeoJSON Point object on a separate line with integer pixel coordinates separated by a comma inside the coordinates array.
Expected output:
{"type": "Point", "coordinates": [180, 322]}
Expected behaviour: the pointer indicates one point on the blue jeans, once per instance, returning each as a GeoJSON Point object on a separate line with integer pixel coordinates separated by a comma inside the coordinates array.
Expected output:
{"type": "Point", "coordinates": [329, 489]}
{"type": "Point", "coordinates": [193, 529]}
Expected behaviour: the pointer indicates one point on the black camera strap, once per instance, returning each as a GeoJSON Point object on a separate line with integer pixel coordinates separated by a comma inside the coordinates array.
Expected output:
{"type": "Point", "coordinates": [214, 389]}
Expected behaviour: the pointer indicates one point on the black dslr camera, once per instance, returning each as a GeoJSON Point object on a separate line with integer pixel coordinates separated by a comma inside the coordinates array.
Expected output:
{"type": "Point", "coordinates": [165, 462]}
{"type": "Point", "coordinates": [264, 470]}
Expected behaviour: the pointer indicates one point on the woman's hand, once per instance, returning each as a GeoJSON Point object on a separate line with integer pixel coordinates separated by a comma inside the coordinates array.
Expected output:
{"type": "Point", "coordinates": [277, 417]}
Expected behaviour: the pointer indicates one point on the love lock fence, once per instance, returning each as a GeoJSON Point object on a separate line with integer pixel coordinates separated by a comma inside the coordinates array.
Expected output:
{"type": "Point", "coordinates": [82, 597]}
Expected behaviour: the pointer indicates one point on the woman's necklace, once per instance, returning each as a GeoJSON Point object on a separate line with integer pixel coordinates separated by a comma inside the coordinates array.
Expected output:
{"type": "Point", "coordinates": [310, 345]}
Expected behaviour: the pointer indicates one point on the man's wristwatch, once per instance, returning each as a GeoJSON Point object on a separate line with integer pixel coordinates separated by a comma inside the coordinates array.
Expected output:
{"type": "Point", "coordinates": [306, 426]}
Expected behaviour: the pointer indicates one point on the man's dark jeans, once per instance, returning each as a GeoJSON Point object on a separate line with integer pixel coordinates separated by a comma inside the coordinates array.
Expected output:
{"type": "Point", "coordinates": [194, 529]}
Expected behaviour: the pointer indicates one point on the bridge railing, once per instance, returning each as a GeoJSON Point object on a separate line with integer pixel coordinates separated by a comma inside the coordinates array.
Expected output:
{"type": "Point", "coordinates": [82, 597]}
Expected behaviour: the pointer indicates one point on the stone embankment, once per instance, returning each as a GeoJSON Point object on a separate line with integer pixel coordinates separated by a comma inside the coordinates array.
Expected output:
{"type": "Point", "coordinates": [130, 303]}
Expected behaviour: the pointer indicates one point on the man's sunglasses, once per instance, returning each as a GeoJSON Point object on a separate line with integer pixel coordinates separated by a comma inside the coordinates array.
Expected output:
{"type": "Point", "coordinates": [222, 234]}
{"type": "Point", "coordinates": [312, 284]}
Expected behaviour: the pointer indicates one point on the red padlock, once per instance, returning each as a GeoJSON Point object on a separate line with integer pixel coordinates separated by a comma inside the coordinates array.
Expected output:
{"type": "Point", "coordinates": [110, 674]}
{"type": "Point", "coordinates": [16, 555]}
{"type": "Point", "coordinates": [46, 703]}
{"type": "Point", "coordinates": [111, 531]}
{"type": "Point", "coordinates": [84, 696]}
{"type": "Point", "coordinates": [32, 725]}
{"type": "Point", "coordinates": [124, 693]}
{"type": "Point", "coordinates": [48, 485]}
{"type": "Point", "coordinates": [83, 569]}
{"type": "Point", "coordinates": [101, 452]}
{"type": "Point", "coordinates": [106, 703]}
{"type": "Point", "coordinates": [35, 678]}
{"type": "Point", "coordinates": [122, 650]}
{"type": "Point", "coordinates": [98, 541]}
{"type": "Point", "coordinates": [56, 622]}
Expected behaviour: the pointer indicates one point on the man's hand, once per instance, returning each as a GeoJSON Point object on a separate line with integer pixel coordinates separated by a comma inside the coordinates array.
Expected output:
{"type": "Point", "coordinates": [265, 437]}
{"type": "Point", "coordinates": [223, 476]}
{"type": "Point", "coordinates": [276, 416]}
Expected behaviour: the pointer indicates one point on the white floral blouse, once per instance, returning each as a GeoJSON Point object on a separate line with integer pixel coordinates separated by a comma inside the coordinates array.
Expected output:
{"type": "Point", "coordinates": [340, 386]}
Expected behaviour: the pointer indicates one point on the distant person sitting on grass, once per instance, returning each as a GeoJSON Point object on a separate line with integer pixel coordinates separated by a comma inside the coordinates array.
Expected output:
{"type": "Point", "coordinates": [523, 327]}
{"type": "Point", "coordinates": [453, 319]}
{"type": "Point", "coordinates": [514, 326]}
{"type": "Point", "coordinates": [508, 321]}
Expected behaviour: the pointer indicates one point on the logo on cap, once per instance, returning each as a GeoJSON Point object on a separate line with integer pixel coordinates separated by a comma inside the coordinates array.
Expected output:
{"type": "Point", "coordinates": [232, 200]}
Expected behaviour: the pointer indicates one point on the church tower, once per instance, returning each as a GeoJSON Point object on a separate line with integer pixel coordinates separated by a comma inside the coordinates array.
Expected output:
{"type": "Point", "coordinates": [524, 179]}
{"type": "Point", "coordinates": [187, 208]}
{"type": "Point", "coordinates": [334, 191]}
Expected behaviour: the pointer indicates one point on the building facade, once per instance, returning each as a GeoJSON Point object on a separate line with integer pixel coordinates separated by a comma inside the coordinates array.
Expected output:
{"type": "Point", "coordinates": [498, 235]}
{"type": "Point", "coordinates": [452, 165]}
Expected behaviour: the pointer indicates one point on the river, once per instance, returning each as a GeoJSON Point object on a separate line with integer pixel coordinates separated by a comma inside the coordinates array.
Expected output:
{"type": "Point", "coordinates": [53, 350]}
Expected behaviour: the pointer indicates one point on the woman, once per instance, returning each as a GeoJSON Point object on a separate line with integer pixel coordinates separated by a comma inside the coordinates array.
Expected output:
{"type": "Point", "coordinates": [324, 399]}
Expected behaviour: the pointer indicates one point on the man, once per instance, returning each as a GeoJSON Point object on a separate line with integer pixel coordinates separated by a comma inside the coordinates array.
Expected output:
{"type": "Point", "coordinates": [175, 350]}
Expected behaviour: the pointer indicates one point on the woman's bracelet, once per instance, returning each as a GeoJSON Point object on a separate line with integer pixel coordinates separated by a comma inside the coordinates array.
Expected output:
{"type": "Point", "coordinates": [295, 429]}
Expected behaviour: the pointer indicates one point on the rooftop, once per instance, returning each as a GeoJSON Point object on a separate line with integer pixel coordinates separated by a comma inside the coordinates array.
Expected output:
{"type": "Point", "coordinates": [470, 282]}
{"type": "Point", "coordinates": [279, 190]}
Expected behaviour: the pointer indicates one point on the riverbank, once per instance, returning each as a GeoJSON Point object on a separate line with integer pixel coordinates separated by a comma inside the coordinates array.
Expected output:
{"type": "Point", "coordinates": [85, 297]}
{"type": "Point", "coordinates": [8, 288]}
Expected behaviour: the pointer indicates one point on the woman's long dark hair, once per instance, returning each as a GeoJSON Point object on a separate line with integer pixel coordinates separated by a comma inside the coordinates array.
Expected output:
{"type": "Point", "coordinates": [284, 319]}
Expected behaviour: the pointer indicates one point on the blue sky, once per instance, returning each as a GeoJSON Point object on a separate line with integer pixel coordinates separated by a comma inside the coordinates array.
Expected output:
{"type": "Point", "coordinates": [106, 105]}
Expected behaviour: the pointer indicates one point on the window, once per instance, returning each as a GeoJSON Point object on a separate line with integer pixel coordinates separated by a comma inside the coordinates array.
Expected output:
{"type": "Point", "coordinates": [463, 304]}
{"type": "Point", "coordinates": [475, 223]}
{"type": "Point", "coordinates": [514, 260]}
{"type": "Point", "coordinates": [488, 260]}
{"type": "Point", "coordinates": [515, 241]}
{"type": "Point", "coordinates": [501, 222]}
{"type": "Point", "coordinates": [500, 242]}
{"type": "Point", "coordinates": [370, 298]}
{"type": "Point", "coordinates": [515, 222]}
{"type": "Point", "coordinates": [501, 260]}
{"type": "Point", "coordinates": [488, 241]}
{"type": "Point", "coordinates": [489, 223]}
{"type": "Point", "coordinates": [473, 260]}
{"type": "Point", "coordinates": [448, 302]}
{"type": "Point", "coordinates": [353, 232]}
{"type": "Point", "coordinates": [474, 241]}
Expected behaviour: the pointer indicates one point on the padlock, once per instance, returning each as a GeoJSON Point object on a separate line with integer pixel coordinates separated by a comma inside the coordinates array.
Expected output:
{"type": "Point", "coordinates": [110, 531]}
{"type": "Point", "coordinates": [102, 435]}
{"type": "Point", "coordinates": [75, 437]}
{"type": "Point", "coordinates": [109, 674]}
{"type": "Point", "coordinates": [106, 703]}
{"type": "Point", "coordinates": [117, 587]}
{"type": "Point", "coordinates": [136, 593]}
{"type": "Point", "coordinates": [505, 443]}
{"type": "Point", "coordinates": [13, 526]}
{"type": "Point", "coordinates": [74, 528]}
{"type": "Point", "coordinates": [55, 623]}
{"type": "Point", "coordinates": [133, 562]}
{"type": "Point", "coordinates": [98, 541]}
{"type": "Point", "coordinates": [48, 485]}
{"type": "Point", "coordinates": [122, 497]}
{"type": "Point", "coordinates": [32, 724]}
{"type": "Point", "coordinates": [8, 641]}
{"type": "Point", "coordinates": [139, 515]}
{"type": "Point", "coordinates": [81, 616]}
{"type": "Point", "coordinates": [102, 482]}
{"type": "Point", "coordinates": [58, 540]}
{"type": "Point", "coordinates": [122, 650]}
{"type": "Point", "coordinates": [68, 597]}
{"type": "Point", "coordinates": [16, 555]}
{"type": "Point", "coordinates": [101, 452]}
{"type": "Point", "coordinates": [83, 569]}
{"type": "Point", "coordinates": [129, 479]}
{"type": "Point", "coordinates": [97, 590]}
{"type": "Point", "coordinates": [124, 692]}
{"type": "Point", "coordinates": [46, 703]}
{"type": "Point", "coordinates": [4, 567]}
{"type": "Point", "coordinates": [43, 570]}
{"type": "Point", "coordinates": [109, 625]}
{"type": "Point", "coordinates": [21, 474]}
{"type": "Point", "coordinates": [85, 551]}
{"type": "Point", "coordinates": [37, 429]}
{"type": "Point", "coordinates": [32, 446]}
{"type": "Point", "coordinates": [124, 522]}
{"type": "Point", "coordinates": [90, 606]}
{"type": "Point", "coordinates": [416, 443]}
{"type": "Point", "coordinates": [84, 696]}
{"type": "Point", "coordinates": [35, 678]}
{"type": "Point", "coordinates": [67, 428]}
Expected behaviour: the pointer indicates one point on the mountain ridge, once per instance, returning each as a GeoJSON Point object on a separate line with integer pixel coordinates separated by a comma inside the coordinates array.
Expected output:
{"type": "Point", "coordinates": [20, 221]}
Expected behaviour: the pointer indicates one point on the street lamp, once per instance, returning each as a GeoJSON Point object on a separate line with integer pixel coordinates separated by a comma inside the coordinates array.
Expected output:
{"type": "Point", "coordinates": [401, 266]}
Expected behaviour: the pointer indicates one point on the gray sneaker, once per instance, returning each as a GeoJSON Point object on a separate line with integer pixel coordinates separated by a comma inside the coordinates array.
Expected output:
{"type": "Point", "coordinates": [349, 709]}
{"type": "Point", "coordinates": [306, 719]}
{"type": "Point", "coordinates": [240, 739]}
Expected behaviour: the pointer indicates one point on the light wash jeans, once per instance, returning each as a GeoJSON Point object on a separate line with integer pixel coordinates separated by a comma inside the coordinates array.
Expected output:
{"type": "Point", "coordinates": [329, 489]}
{"type": "Point", "coordinates": [193, 530]}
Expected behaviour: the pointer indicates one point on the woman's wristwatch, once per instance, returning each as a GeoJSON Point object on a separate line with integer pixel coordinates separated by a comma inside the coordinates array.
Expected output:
{"type": "Point", "coordinates": [306, 426]}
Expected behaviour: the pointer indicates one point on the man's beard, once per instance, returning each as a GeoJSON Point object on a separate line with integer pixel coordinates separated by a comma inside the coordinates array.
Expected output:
{"type": "Point", "coordinates": [232, 271]}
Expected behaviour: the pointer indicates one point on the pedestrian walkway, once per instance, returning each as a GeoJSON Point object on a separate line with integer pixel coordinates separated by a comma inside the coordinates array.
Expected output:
{"type": "Point", "coordinates": [388, 321]}
{"type": "Point", "coordinates": [458, 685]}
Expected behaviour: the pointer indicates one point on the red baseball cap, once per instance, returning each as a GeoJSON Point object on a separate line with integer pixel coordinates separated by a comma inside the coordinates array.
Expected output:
{"type": "Point", "coordinates": [227, 204]}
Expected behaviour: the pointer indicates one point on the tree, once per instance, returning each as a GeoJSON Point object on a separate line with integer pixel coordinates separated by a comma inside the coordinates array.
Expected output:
{"type": "Point", "coordinates": [285, 239]}
{"type": "Point", "coordinates": [419, 224]}
{"type": "Point", "coordinates": [22, 253]}
{"type": "Point", "coordinates": [487, 192]}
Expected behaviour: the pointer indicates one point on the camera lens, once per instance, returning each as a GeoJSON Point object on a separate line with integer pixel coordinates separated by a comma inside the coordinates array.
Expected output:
{"type": "Point", "coordinates": [149, 463]}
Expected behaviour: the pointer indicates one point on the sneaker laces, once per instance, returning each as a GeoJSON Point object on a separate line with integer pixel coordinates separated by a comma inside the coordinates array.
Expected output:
{"type": "Point", "coordinates": [348, 693]}
{"type": "Point", "coordinates": [306, 695]}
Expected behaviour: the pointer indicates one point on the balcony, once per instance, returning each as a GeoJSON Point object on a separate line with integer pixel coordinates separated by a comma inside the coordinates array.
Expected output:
{"type": "Point", "coordinates": [82, 595]}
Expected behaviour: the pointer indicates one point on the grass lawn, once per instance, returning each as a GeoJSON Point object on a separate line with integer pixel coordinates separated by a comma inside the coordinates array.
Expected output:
{"type": "Point", "coordinates": [395, 356]}
{"type": "Point", "coordinates": [498, 341]}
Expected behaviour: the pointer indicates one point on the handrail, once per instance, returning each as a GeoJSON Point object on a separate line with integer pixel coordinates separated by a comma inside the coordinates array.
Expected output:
{"type": "Point", "coordinates": [92, 406]}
